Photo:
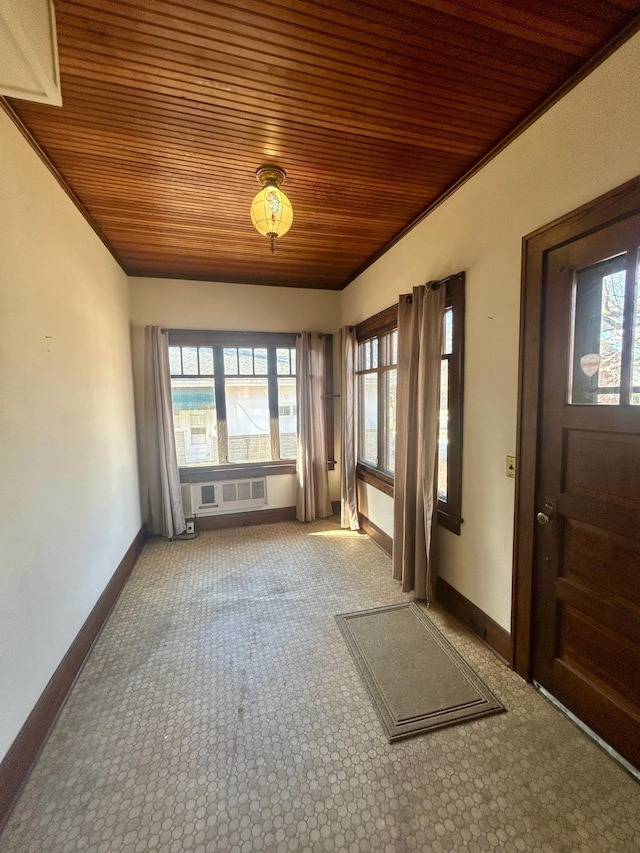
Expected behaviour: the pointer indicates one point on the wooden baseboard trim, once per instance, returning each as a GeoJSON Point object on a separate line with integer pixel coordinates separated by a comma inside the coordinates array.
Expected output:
{"type": "Point", "coordinates": [464, 610]}
{"type": "Point", "coordinates": [248, 519]}
{"type": "Point", "coordinates": [18, 761]}
{"type": "Point", "coordinates": [476, 620]}
{"type": "Point", "coordinates": [382, 539]}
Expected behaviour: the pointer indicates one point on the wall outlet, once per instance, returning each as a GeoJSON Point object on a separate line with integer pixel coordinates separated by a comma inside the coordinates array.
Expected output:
{"type": "Point", "coordinates": [191, 527]}
{"type": "Point", "coordinates": [511, 467]}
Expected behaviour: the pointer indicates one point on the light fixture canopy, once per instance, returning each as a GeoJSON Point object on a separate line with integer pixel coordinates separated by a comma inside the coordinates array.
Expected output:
{"type": "Point", "coordinates": [271, 211]}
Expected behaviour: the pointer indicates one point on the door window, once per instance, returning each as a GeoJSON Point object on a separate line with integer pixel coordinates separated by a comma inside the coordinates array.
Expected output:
{"type": "Point", "coordinates": [605, 362]}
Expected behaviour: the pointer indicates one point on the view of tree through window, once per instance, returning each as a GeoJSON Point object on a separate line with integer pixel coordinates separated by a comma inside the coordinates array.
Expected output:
{"type": "Point", "coordinates": [605, 365]}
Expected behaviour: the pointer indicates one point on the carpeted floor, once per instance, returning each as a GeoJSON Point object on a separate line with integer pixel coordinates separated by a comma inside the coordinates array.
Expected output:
{"type": "Point", "coordinates": [221, 711]}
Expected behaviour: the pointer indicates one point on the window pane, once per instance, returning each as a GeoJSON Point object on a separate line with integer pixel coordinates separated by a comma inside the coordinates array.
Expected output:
{"type": "Point", "coordinates": [260, 361]}
{"type": "Point", "coordinates": [194, 421]}
{"type": "Point", "coordinates": [245, 359]}
{"type": "Point", "coordinates": [175, 360]}
{"type": "Point", "coordinates": [287, 417]}
{"type": "Point", "coordinates": [230, 361]}
{"type": "Point", "coordinates": [443, 432]}
{"type": "Point", "coordinates": [365, 355]}
{"type": "Point", "coordinates": [634, 397]}
{"type": "Point", "coordinates": [391, 379]}
{"type": "Point", "coordinates": [368, 445]}
{"type": "Point", "coordinates": [394, 347]}
{"type": "Point", "coordinates": [362, 355]}
{"type": "Point", "coordinates": [293, 361]}
{"type": "Point", "coordinates": [597, 333]}
{"type": "Point", "coordinates": [190, 361]}
{"type": "Point", "coordinates": [283, 361]}
{"type": "Point", "coordinates": [387, 349]}
{"type": "Point", "coordinates": [206, 359]}
{"type": "Point", "coordinates": [248, 420]}
{"type": "Point", "coordinates": [375, 355]}
{"type": "Point", "coordinates": [447, 341]}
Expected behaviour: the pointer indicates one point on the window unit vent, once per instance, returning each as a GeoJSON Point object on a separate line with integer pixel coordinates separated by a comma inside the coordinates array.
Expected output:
{"type": "Point", "coordinates": [229, 496]}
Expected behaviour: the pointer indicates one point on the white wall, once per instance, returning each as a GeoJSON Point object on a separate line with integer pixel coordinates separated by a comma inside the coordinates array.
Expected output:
{"type": "Point", "coordinates": [69, 493]}
{"type": "Point", "coordinates": [179, 304]}
{"type": "Point", "coordinates": [586, 144]}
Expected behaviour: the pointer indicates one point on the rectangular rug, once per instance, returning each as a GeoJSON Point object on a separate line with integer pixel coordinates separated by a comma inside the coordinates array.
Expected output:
{"type": "Point", "coordinates": [417, 680]}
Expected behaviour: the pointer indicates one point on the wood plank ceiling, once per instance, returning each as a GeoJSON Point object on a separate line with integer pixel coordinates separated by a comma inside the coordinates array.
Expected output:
{"type": "Point", "coordinates": [374, 109]}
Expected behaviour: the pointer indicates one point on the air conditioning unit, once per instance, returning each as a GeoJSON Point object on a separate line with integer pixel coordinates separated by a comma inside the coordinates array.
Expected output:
{"type": "Point", "coordinates": [228, 496]}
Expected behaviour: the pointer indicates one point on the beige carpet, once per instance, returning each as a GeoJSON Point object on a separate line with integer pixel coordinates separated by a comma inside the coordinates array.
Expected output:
{"type": "Point", "coordinates": [417, 680]}
{"type": "Point", "coordinates": [220, 712]}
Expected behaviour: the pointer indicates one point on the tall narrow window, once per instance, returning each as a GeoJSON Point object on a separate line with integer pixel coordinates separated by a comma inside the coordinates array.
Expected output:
{"type": "Point", "coordinates": [449, 488]}
{"type": "Point", "coordinates": [377, 375]}
{"type": "Point", "coordinates": [377, 382]}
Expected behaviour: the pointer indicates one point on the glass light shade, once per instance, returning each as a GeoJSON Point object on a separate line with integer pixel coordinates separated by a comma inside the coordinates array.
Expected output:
{"type": "Point", "coordinates": [271, 212]}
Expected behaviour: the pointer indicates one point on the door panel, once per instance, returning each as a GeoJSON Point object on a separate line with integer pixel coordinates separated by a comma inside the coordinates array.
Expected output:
{"type": "Point", "coordinates": [587, 602]}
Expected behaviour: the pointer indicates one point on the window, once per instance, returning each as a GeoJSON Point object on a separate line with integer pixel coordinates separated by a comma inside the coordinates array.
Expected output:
{"type": "Point", "coordinates": [377, 382]}
{"type": "Point", "coordinates": [451, 396]}
{"type": "Point", "coordinates": [234, 397]}
{"type": "Point", "coordinates": [377, 377]}
{"type": "Point", "coordinates": [605, 345]}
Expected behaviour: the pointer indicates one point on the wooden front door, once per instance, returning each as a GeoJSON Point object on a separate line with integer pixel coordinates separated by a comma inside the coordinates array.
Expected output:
{"type": "Point", "coordinates": [586, 620]}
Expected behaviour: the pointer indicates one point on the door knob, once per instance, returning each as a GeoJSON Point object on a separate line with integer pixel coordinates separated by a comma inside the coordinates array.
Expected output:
{"type": "Point", "coordinates": [546, 516]}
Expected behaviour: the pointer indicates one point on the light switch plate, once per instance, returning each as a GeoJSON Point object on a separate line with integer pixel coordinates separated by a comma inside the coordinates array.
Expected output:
{"type": "Point", "coordinates": [511, 467]}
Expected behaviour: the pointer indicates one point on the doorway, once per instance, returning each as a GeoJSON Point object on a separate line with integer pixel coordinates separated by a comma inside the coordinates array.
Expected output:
{"type": "Point", "coordinates": [576, 624]}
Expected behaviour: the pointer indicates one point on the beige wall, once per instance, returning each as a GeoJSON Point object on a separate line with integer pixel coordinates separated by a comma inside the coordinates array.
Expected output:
{"type": "Point", "coordinates": [68, 492]}
{"type": "Point", "coordinates": [239, 307]}
{"type": "Point", "coordinates": [585, 145]}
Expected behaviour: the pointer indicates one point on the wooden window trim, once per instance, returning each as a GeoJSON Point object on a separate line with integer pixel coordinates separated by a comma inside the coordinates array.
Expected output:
{"type": "Point", "coordinates": [246, 470]}
{"type": "Point", "coordinates": [381, 323]}
{"type": "Point", "coordinates": [208, 337]}
{"type": "Point", "coordinates": [222, 338]}
{"type": "Point", "coordinates": [450, 511]}
{"type": "Point", "coordinates": [374, 477]}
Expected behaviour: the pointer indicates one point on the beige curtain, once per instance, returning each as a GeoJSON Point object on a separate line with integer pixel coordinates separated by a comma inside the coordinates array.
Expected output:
{"type": "Point", "coordinates": [312, 492]}
{"type": "Point", "coordinates": [420, 319]}
{"type": "Point", "coordinates": [162, 488]}
{"type": "Point", "coordinates": [349, 419]}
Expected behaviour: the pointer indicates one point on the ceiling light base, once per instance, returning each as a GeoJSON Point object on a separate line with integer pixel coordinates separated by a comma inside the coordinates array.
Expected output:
{"type": "Point", "coordinates": [271, 176]}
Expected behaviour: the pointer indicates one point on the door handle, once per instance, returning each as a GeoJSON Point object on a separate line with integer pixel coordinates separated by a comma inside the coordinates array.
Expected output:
{"type": "Point", "coordinates": [546, 516]}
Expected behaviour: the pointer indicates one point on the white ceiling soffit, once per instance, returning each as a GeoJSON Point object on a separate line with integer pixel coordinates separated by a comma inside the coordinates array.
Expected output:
{"type": "Point", "coordinates": [29, 51]}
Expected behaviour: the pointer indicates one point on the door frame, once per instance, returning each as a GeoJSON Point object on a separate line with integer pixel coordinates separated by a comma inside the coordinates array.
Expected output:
{"type": "Point", "coordinates": [605, 210]}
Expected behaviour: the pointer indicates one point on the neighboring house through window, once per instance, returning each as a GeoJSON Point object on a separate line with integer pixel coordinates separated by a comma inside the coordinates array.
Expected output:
{"type": "Point", "coordinates": [233, 397]}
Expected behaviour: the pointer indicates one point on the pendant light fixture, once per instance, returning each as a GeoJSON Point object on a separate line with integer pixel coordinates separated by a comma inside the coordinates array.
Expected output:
{"type": "Point", "coordinates": [271, 211]}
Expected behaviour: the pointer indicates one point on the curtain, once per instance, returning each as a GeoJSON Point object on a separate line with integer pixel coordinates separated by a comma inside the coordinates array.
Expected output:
{"type": "Point", "coordinates": [312, 491]}
{"type": "Point", "coordinates": [163, 494]}
{"type": "Point", "coordinates": [349, 420]}
{"type": "Point", "coordinates": [420, 320]}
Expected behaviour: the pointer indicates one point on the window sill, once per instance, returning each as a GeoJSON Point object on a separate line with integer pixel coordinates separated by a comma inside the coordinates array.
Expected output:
{"type": "Point", "coordinates": [213, 473]}
{"type": "Point", "coordinates": [449, 521]}
{"type": "Point", "coordinates": [378, 479]}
